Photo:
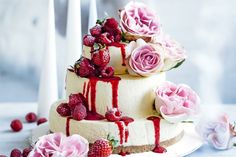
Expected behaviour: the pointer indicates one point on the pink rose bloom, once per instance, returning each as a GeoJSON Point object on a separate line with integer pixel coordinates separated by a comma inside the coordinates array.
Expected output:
{"type": "Point", "coordinates": [138, 20]}
{"type": "Point", "coordinates": [176, 102]}
{"type": "Point", "coordinates": [217, 131]}
{"type": "Point", "coordinates": [144, 59]}
{"type": "Point", "coordinates": [58, 145]}
{"type": "Point", "coordinates": [174, 52]}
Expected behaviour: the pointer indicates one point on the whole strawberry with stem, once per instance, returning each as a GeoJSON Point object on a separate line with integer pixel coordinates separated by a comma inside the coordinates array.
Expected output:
{"type": "Point", "coordinates": [101, 57]}
{"type": "Point", "coordinates": [102, 147]}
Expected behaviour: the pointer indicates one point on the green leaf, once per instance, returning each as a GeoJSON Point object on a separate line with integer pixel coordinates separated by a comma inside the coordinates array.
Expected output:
{"type": "Point", "coordinates": [123, 37]}
{"type": "Point", "coordinates": [234, 145]}
{"type": "Point", "coordinates": [178, 64]}
{"type": "Point", "coordinates": [100, 22]}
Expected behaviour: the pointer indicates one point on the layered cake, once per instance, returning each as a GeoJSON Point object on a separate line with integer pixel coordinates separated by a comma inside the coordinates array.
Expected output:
{"type": "Point", "coordinates": [118, 89]}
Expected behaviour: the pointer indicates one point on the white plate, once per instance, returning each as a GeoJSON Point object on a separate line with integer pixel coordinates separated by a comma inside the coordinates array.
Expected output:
{"type": "Point", "coordinates": [188, 144]}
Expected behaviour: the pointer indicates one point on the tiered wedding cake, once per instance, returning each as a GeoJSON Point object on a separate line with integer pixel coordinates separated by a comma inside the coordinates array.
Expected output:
{"type": "Point", "coordinates": [118, 89]}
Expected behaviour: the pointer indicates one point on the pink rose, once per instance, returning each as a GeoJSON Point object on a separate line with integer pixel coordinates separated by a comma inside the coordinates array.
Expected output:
{"type": "Point", "coordinates": [174, 52]}
{"type": "Point", "coordinates": [144, 59]}
{"type": "Point", "coordinates": [217, 131]}
{"type": "Point", "coordinates": [136, 20]}
{"type": "Point", "coordinates": [58, 144]}
{"type": "Point", "coordinates": [176, 102]}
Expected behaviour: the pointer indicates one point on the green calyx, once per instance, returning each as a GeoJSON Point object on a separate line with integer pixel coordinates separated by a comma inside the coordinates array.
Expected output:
{"type": "Point", "coordinates": [113, 142]}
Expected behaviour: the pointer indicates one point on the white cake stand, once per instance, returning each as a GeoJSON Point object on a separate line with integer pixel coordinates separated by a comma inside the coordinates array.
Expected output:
{"type": "Point", "coordinates": [188, 144]}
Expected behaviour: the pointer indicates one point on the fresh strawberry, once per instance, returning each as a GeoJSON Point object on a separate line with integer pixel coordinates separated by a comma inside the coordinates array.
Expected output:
{"type": "Point", "coordinates": [101, 57]}
{"type": "Point", "coordinates": [101, 148]}
{"type": "Point", "coordinates": [96, 30]}
{"type": "Point", "coordinates": [88, 40]}
{"type": "Point", "coordinates": [16, 125]}
{"type": "Point", "coordinates": [79, 112]}
{"type": "Point", "coordinates": [113, 115]}
{"type": "Point", "coordinates": [31, 117]}
{"type": "Point", "coordinates": [107, 71]}
{"type": "Point", "coordinates": [64, 110]}
{"type": "Point", "coordinates": [106, 38]}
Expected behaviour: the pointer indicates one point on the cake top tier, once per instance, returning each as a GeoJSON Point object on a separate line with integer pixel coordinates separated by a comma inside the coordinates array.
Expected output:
{"type": "Point", "coordinates": [135, 45]}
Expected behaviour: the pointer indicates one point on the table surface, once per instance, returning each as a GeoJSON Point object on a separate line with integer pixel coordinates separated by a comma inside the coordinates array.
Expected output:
{"type": "Point", "coordinates": [10, 140]}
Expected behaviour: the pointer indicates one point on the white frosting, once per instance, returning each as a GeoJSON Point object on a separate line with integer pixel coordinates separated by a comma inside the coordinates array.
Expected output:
{"type": "Point", "coordinates": [135, 94]}
{"type": "Point", "coordinates": [141, 131]}
{"type": "Point", "coordinates": [116, 59]}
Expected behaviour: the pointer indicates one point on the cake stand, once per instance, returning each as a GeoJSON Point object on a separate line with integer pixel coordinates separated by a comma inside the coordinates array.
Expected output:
{"type": "Point", "coordinates": [188, 144]}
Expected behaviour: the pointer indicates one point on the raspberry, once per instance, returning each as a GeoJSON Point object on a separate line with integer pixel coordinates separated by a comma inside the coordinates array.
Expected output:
{"type": "Point", "coordinates": [26, 152]}
{"type": "Point", "coordinates": [88, 40]}
{"type": "Point", "coordinates": [79, 112]}
{"type": "Point", "coordinates": [111, 23]}
{"type": "Point", "coordinates": [83, 67]}
{"type": "Point", "coordinates": [107, 71]}
{"type": "Point", "coordinates": [64, 110]}
{"type": "Point", "coordinates": [113, 115]}
{"type": "Point", "coordinates": [76, 99]}
{"type": "Point", "coordinates": [15, 153]}
{"type": "Point", "coordinates": [100, 148]}
{"type": "Point", "coordinates": [41, 120]}
{"type": "Point", "coordinates": [117, 35]}
{"type": "Point", "coordinates": [101, 57]}
{"type": "Point", "coordinates": [31, 117]}
{"type": "Point", "coordinates": [16, 125]}
{"type": "Point", "coordinates": [96, 30]}
{"type": "Point", "coordinates": [86, 71]}
{"type": "Point", "coordinates": [106, 38]}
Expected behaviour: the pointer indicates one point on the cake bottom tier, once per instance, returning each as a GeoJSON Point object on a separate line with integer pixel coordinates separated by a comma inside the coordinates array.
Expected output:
{"type": "Point", "coordinates": [138, 136]}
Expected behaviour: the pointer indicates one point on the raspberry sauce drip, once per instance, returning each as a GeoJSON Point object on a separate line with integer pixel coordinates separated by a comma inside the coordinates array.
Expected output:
{"type": "Point", "coordinates": [156, 124]}
{"type": "Point", "coordinates": [93, 83]}
{"type": "Point", "coordinates": [89, 91]}
{"type": "Point", "coordinates": [68, 126]}
{"type": "Point", "coordinates": [121, 130]}
{"type": "Point", "coordinates": [126, 121]}
{"type": "Point", "coordinates": [122, 49]}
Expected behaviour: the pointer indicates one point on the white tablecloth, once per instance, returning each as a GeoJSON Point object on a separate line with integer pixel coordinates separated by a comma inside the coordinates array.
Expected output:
{"type": "Point", "coordinates": [10, 140]}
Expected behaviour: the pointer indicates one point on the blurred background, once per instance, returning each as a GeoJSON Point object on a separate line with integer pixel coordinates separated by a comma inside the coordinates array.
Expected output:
{"type": "Point", "coordinates": [206, 28]}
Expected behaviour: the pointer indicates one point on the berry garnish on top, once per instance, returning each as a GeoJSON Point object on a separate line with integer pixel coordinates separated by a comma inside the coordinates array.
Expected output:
{"type": "Point", "coordinates": [96, 30]}
{"type": "Point", "coordinates": [101, 57]}
{"type": "Point", "coordinates": [84, 68]}
{"type": "Point", "coordinates": [79, 113]}
{"type": "Point", "coordinates": [88, 40]}
{"type": "Point", "coordinates": [107, 71]}
{"type": "Point", "coordinates": [64, 110]}
{"type": "Point", "coordinates": [113, 115]}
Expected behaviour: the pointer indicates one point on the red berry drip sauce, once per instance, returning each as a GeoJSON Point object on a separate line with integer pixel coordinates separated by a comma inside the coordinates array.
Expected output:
{"type": "Point", "coordinates": [156, 124]}
{"type": "Point", "coordinates": [68, 126]}
{"type": "Point", "coordinates": [123, 128]}
{"type": "Point", "coordinates": [122, 49]}
{"type": "Point", "coordinates": [89, 91]}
